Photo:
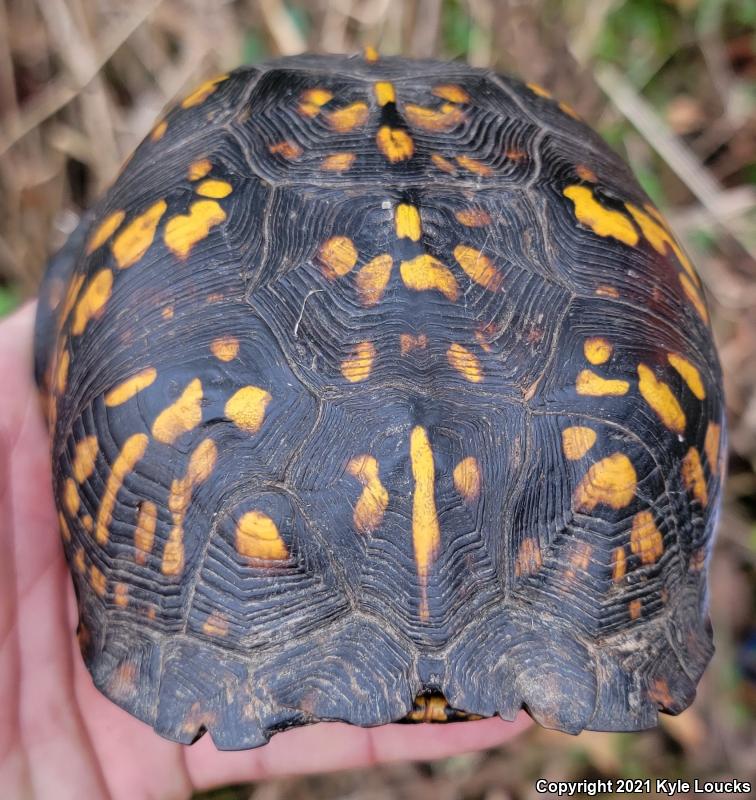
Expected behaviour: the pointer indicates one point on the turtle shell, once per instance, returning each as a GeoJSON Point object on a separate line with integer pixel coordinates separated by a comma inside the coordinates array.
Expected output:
{"type": "Point", "coordinates": [372, 382]}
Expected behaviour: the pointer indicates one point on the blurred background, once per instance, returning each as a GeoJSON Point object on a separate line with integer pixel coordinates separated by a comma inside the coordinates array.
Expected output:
{"type": "Point", "coordinates": [670, 85]}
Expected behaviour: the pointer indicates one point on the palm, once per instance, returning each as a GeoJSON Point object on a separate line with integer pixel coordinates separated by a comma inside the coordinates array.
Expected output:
{"type": "Point", "coordinates": [56, 729]}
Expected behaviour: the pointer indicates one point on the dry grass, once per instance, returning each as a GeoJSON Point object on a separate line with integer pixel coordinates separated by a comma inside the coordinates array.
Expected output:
{"type": "Point", "coordinates": [669, 83]}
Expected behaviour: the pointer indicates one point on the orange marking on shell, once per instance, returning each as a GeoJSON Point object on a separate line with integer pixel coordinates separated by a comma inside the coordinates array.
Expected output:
{"type": "Point", "coordinates": [634, 608]}
{"type": "Point", "coordinates": [711, 446]}
{"type": "Point", "coordinates": [85, 454]}
{"type": "Point", "coordinates": [693, 476]}
{"type": "Point", "coordinates": [569, 110]}
{"type": "Point", "coordinates": [257, 538]}
{"type": "Point", "coordinates": [384, 93]}
{"type": "Point", "coordinates": [539, 90]}
{"type": "Point", "coordinates": [338, 162]}
{"type": "Point", "coordinates": [79, 561]}
{"type": "Point", "coordinates": [246, 408]}
{"type": "Point", "coordinates": [659, 396]}
{"type": "Point", "coordinates": [443, 163]}
{"type": "Point", "coordinates": [97, 581]}
{"type": "Point", "coordinates": [580, 558]}
{"type": "Point", "coordinates": [407, 222]}
{"type": "Point", "coordinates": [184, 231]}
{"type": "Point", "coordinates": [201, 464]}
{"type": "Point", "coordinates": [337, 256]}
{"type": "Point", "coordinates": [516, 155]}
{"type": "Point", "coordinates": [130, 387]}
{"type": "Point", "coordinates": [589, 384]}
{"type": "Point", "coordinates": [373, 278]}
{"type": "Point", "coordinates": [144, 534]}
{"type": "Point", "coordinates": [604, 290]}
{"type": "Point", "coordinates": [465, 362]}
{"type": "Point", "coordinates": [370, 54]}
{"type": "Point", "coordinates": [214, 188]}
{"type": "Point", "coordinates": [65, 531]}
{"type": "Point", "coordinates": [346, 119]}
{"type": "Point", "coordinates": [645, 538]}
{"type": "Point", "coordinates": [181, 416]}
{"type": "Point", "coordinates": [467, 479]}
{"type": "Point", "coordinates": [619, 564]}
{"type": "Point", "coordinates": [528, 559]}
{"type": "Point", "coordinates": [577, 440]}
{"type": "Point", "coordinates": [409, 342]}
{"type": "Point", "coordinates": [358, 366]}
{"type": "Point", "coordinates": [478, 267]}
{"type": "Point", "coordinates": [602, 221]}
{"type": "Point", "coordinates": [87, 522]}
{"type": "Point", "coordinates": [121, 594]}
{"type": "Point", "coordinates": [597, 350]}
{"type": "Point", "coordinates": [474, 166]}
{"type": "Point", "coordinates": [71, 498]}
{"type": "Point", "coordinates": [215, 625]}
{"type": "Point", "coordinates": [225, 348]}
{"type": "Point", "coordinates": [135, 239]}
{"type": "Point", "coordinates": [93, 300]}
{"type": "Point", "coordinates": [313, 100]}
{"type": "Point", "coordinates": [585, 173]}
{"type": "Point", "coordinates": [451, 92]}
{"type": "Point", "coordinates": [167, 312]}
{"type": "Point", "coordinates": [373, 501]}
{"type": "Point", "coordinates": [611, 482]}
{"type": "Point", "coordinates": [434, 120]}
{"type": "Point", "coordinates": [660, 238]}
{"type": "Point", "coordinates": [132, 451]}
{"type": "Point", "coordinates": [61, 371]}
{"type": "Point", "coordinates": [72, 294]}
{"type": "Point", "coordinates": [688, 373]}
{"type": "Point", "coordinates": [694, 296]}
{"type": "Point", "coordinates": [394, 143]}
{"type": "Point", "coordinates": [157, 133]}
{"type": "Point", "coordinates": [202, 92]}
{"type": "Point", "coordinates": [105, 230]}
{"type": "Point", "coordinates": [473, 217]}
{"type": "Point", "coordinates": [286, 149]}
{"type": "Point", "coordinates": [198, 169]}
{"type": "Point", "coordinates": [424, 273]}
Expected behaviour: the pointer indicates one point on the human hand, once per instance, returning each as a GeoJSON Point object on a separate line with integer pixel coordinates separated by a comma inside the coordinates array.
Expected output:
{"type": "Point", "coordinates": [59, 737]}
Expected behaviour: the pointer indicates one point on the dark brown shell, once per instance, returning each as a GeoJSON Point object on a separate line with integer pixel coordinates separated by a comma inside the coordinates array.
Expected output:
{"type": "Point", "coordinates": [369, 379]}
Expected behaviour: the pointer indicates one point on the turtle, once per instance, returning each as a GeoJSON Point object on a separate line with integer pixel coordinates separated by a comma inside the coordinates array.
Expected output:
{"type": "Point", "coordinates": [379, 390]}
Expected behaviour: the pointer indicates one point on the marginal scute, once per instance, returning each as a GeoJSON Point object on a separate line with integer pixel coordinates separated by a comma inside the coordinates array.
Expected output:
{"type": "Point", "coordinates": [711, 446]}
{"type": "Point", "coordinates": [85, 454]}
{"type": "Point", "coordinates": [688, 373]}
{"type": "Point", "coordinates": [202, 92]}
{"type": "Point", "coordinates": [693, 476]}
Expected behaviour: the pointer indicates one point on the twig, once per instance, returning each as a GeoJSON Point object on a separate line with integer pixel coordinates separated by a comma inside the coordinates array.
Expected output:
{"type": "Point", "coordinates": [288, 40]}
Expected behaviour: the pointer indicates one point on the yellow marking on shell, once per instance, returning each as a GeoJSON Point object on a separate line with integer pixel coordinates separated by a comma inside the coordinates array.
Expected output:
{"type": "Point", "coordinates": [135, 239]}
{"type": "Point", "coordinates": [611, 482]}
{"type": "Point", "coordinates": [474, 166]}
{"type": "Point", "coordinates": [432, 119]}
{"type": "Point", "coordinates": [183, 231]}
{"type": "Point", "coordinates": [61, 371]}
{"type": "Point", "coordinates": [466, 478]}
{"type": "Point", "coordinates": [105, 230]}
{"type": "Point", "coordinates": [215, 625]}
{"type": "Point", "coordinates": [538, 89]}
{"type": "Point", "coordinates": [528, 559]}
{"type": "Point", "coordinates": [85, 454]}
{"type": "Point", "coordinates": [465, 362]}
{"type": "Point", "coordinates": [369, 53]}
{"type": "Point", "coordinates": [409, 342]}
{"type": "Point", "coordinates": [92, 302]}
{"type": "Point", "coordinates": [202, 92]}
{"type": "Point", "coordinates": [569, 110]}
{"type": "Point", "coordinates": [424, 273]}
{"type": "Point", "coordinates": [257, 538]}
{"type": "Point", "coordinates": [451, 92]}
{"type": "Point", "coordinates": [693, 476]}
{"type": "Point", "coordinates": [72, 294]}
{"type": "Point", "coordinates": [121, 595]}
{"type": "Point", "coordinates": [429, 708]}
{"type": "Point", "coordinates": [225, 348]}
{"type": "Point", "coordinates": [214, 188]}
{"type": "Point", "coordinates": [426, 533]}
{"type": "Point", "coordinates": [157, 133]}
{"type": "Point", "coordinates": [394, 143]}
{"type": "Point", "coordinates": [71, 497]}
{"type": "Point", "coordinates": [87, 522]}
{"type": "Point", "coordinates": [131, 386]}
{"type": "Point", "coordinates": [407, 222]}
{"type": "Point", "coordinates": [384, 93]}
{"type": "Point", "coordinates": [443, 163]}
{"type": "Point", "coordinates": [577, 440]}
{"type": "Point", "coordinates": [144, 535]}
{"type": "Point", "coordinates": [184, 414]}
{"type": "Point", "coordinates": [602, 221]}
{"type": "Point", "coordinates": [659, 396]}
{"type": "Point", "coordinates": [313, 100]}
{"type": "Point", "coordinates": [201, 464]}
{"type": "Point", "coordinates": [373, 278]}
{"type": "Point", "coordinates": [286, 149]}
{"type": "Point", "coordinates": [358, 366]}
{"type": "Point", "coordinates": [634, 608]}
{"type": "Point", "coordinates": [589, 384]}
{"type": "Point", "coordinates": [199, 169]}
{"type": "Point", "coordinates": [473, 217]}
{"type": "Point", "coordinates": [337, 256]}
{"type": "Point", "coordinates": [604, 290]}
{"type": "Point", "coordinates": [711, 446]}
{"type": "Point", "coordinates": [132, 451]}
{"type": "Point", "coordinates": [585, 173]}
{"type": "Point", "coordinates": [65, 531]}
{"type": "Point", "coordinates": [346, 119]}
{"type": "Point", "coordinates": [619, 564]}
{"type": "Point", "coordinates": [338, 162]}
{"type": "Point", "coordinates": [694, 296]}
{"type": "Point", "coordinates": [688, 373]}
{"type": "Point", "coordinates": [246, 408]}
{"type": "Point", "coordinates": [660, 238]}
{"type": "Point", "coordinates": [645, 538]}
{"type": "Point", "coordinates": [97, 580]}
{"type": "Point", "coordinates": [373, 500]}
{"type": "Point", "coordinates": [597, 350]}
{"type": "Point", "coordinates": [79, 561]}
{"type": "Point", "coordinates": [478, 267]}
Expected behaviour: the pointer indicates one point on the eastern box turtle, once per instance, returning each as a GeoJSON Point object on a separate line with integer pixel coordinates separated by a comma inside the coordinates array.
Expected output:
{"type": "Point", "coordinates": [379, 390]}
